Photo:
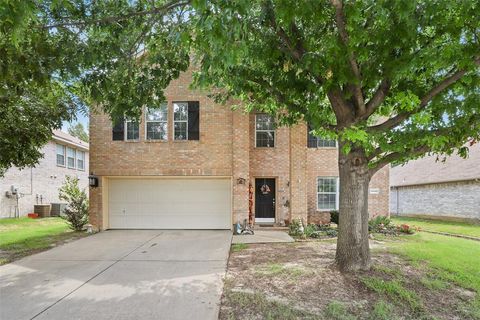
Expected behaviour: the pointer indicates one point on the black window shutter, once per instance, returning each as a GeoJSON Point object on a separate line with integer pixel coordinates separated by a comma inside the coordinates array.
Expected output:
{"type": "Point", "coordinates": [311, 139]}
{"type": "Point", "coordinates": [118, 129]}
{"type": "Point", "coordinates": [193, 120]}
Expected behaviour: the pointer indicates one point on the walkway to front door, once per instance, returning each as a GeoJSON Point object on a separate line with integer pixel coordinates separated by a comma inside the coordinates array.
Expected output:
{"type": "Point", "coordinates": [264, 200]}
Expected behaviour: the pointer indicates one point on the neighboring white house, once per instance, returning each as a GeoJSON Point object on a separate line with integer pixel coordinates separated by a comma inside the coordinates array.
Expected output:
{"type": "Point", "coordinates": [64, 155]}
{"type": "Point", "coordinates": [426, 187]}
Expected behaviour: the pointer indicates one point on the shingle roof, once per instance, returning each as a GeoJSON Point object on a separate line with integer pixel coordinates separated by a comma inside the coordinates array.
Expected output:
{"type": "Point", "coordinates": [64, 137]}
{"type": "Point", "coordinates": [427, 170]}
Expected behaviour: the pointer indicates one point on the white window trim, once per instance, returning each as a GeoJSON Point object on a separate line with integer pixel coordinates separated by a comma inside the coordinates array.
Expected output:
{"type": "Point", "coordinates": [323, 147]}
{"type": "Point", "coordinates": [64, 155]}
{"type": "Point", "coordinates": [159, 121]}
{"type": "Point", "coordinates": [83, 159]}
{"type": "Point", "coordinates": [337, 194]}
{"type": "Point", "coordinates": [179, 121]}
{"type": "Point", "coordinates": [74, 158]}
{"type": "Point", "coordinates": [261, 130]}
{"type": "Point", "coordinates": [125, 133]}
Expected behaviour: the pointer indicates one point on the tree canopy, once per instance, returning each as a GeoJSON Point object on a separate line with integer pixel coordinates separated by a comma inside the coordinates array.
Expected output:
{"type": "Point", "coordinates": [78, 131]}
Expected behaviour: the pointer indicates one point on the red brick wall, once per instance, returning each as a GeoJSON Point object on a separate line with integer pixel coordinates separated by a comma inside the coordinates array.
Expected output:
{"type": "Point", "coordinates": [226, 148]}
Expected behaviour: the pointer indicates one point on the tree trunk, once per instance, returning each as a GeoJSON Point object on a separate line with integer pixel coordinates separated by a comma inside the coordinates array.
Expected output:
{"type": "Point", "coordinates": [353, 252]}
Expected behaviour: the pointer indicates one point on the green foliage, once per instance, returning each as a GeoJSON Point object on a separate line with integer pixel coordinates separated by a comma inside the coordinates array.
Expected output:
{"type": "Point", "coordinates": [334, 216]}
{"type": "Point", "coordinates": [76, 212]}
{"type": "Point", "coordinates": [78, 131]}
{"type": "Point", "coordinates": [405, 228]}
{"type": "Point", "coordinates": [394, 289]}
{"type": "Point", "coordinates": [382, 311]}
{"type": "Point", "coordinates": [337, 311]}
{"type": "Point", "coordinates": [239, 247]}
{"type": "Point", "coordinates": [295, 228]}
{"type": "Point", "coordinates": [382, 224]}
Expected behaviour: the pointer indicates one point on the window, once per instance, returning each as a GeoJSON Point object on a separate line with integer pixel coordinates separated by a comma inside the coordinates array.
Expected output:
{"type": "Point", "coordinates": [319, 142]}
{"type": "Point", "coordinates": [132, 131]}
{"type": "Point", "coordinates": [156, 120]}
{"type": "Point", "coordinates": [327, 193]}
{"type": "Point", "coordinates": [70, 157]}
{"type": "Point", "coordinates": [118, 129]}
{"type": "Point", "coordinates": [60, 155]}
{"type": "Point", "coordinates": [80, 160]}
{"type": "Point", "coordinates": [180, 120]}
{"type": "Point", "coordinates": [264, 131]}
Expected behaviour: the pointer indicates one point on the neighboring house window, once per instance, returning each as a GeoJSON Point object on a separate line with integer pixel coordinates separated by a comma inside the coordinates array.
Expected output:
{"type": "Point", "coordinates": [327, 193]}
{"type": "Point", "coordinates": [70, 157]}
{"type": "Point", "coordinates": [264, 131]}
{"type": "Point", "coordinates": [60, 155]}
{"type": "Point", "coordinates": [132, 130]}
{"type": "Point", "coordinates": [319, 142]}
{"type": "Point", "coordinates": [156, 120]}
{"type": "Point", "coordinates": [186, 120]}
{"type": "Point", "coordinates": [80, 160]}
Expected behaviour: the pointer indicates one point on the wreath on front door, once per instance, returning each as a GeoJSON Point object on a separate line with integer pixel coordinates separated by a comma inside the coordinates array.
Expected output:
{"type": "Point", "coordinates": [265, 189]}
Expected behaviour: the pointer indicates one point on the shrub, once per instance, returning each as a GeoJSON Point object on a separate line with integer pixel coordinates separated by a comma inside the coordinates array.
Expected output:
{"type": "Point", "coordinates": [405, 228]}
{"type": "Point", "coordinates": [295, 229]}
{"type": "Point", "coordinates": [77, 204]}
{"type": "Point", "coordinates": [311, 231]}
{"type": "Point", "coordinates": [334, 216]}
{"type": "Point", "coordinates": [382, 224]}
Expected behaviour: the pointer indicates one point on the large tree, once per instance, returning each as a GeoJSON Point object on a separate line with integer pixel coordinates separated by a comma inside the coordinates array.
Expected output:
{"type": "Point", "coordinates": [391, 80]}
{"type": "Point", "coordinates": [78, 131]}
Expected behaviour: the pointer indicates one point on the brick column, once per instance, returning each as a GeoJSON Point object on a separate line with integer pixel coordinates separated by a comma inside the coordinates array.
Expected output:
{"type": "Point", "coordinates": [240, 165]}
{"type": "Point", "coordinates": [298, 172]}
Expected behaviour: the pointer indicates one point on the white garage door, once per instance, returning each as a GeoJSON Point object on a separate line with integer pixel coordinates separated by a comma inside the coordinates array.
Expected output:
{"type": "Point", "coordinates": [169, 203]}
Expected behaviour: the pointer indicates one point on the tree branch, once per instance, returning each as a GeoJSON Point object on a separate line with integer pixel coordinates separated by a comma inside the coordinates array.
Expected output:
{"type": "Point", "coordinates": [396, 156]}
{"type": "Point", "coordinates": [110, 19]}
{"type": "Point", "coordinates": [444, 84]}
{"type": "Point", "coordinates": [377, 98]}
{"type": "Point", "coordinates": [341, 25]}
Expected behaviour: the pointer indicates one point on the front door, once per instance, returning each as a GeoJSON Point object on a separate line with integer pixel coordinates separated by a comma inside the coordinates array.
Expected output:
{"type": "Point", "coordinates": [264, 200]}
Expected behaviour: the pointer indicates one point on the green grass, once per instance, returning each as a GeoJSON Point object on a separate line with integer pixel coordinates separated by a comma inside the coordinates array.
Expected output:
{"type": "Point", "coordinates": [460, 228]}
{"type": "Point", "coordinates": [382, 311]}
{"type": "Point", "coordinates": [395, 290]}
{"type": "Point", "coordinates": [24, 236]}
{"type": "Point", "coordinates": [263, 308]}
{"type": "Point", "coordinates": [336, 310]}
{"type": "Point", "coordinates": [275, 269]}
{"type": "Point", "coordinates": [239, 247]}
{"type": "Point", "coordinates": [454, 259]}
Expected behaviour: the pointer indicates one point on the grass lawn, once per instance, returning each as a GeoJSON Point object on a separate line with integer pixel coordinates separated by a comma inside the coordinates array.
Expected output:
{"type": "Point", "coordinates": [463, 228]}
{"type": "Point", "coordinates": [24, 236]}
{"type": "Point", "coordinates": [422, 276]}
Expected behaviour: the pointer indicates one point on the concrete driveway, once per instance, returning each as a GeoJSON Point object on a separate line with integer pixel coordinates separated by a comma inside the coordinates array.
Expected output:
{"type": "Point", "coordinates": [137, 274]}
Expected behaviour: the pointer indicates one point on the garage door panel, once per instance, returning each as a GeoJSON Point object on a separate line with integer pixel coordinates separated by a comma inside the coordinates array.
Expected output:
{"type": "Point", "coordinates": [170, 203]}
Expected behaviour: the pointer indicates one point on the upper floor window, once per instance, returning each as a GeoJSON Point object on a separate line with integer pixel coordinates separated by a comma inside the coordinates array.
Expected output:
{"type": "Point", "coordinates": [70, 157]}
{"type": "Point", "coordinates": [186, 120]}
{"type": "Point", "coordinates": [318, 142]}
{"type": "Point", "coordinates": [264, 131]}
{"type": "Point", "coordinates": [60, 155]}
{"type": "Point", "coordinates": [80, 160]}
{"type": "Point", "coordinates": [132, 130]}
{"type": "Point", "coordinates": [327, 193]}
{"type": "Point", "coordinates": [157, 123]}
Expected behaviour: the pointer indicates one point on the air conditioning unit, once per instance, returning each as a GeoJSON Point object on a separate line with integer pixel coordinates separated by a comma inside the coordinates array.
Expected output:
{"type": "Point", "coordinates": [57, 209]}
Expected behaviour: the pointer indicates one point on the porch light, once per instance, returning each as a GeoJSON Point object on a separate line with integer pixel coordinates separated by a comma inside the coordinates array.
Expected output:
{"type": "Point", "coordinates": [93, 181]}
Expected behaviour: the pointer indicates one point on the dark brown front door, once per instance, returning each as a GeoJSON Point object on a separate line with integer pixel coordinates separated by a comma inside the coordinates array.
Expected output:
{"type": "Point", "coordinates": [264, 200]}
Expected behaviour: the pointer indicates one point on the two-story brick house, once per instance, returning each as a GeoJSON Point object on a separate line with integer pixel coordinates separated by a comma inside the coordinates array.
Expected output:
{"type": "Point", "coordinates": [194, 164]}
{"type": "Point", "coordinates": [63, 156]}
